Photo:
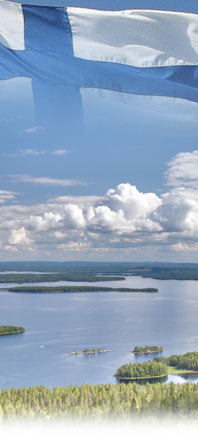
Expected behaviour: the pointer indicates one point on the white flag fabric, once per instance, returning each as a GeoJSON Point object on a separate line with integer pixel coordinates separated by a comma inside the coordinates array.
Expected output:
{"type": "Point", "coordinates": [138, 38]}
{"type": "Point", "coordinates": [12, 26]}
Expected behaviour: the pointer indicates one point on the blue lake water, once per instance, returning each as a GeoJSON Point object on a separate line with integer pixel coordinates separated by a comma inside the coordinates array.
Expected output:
{"type": "Point", "coordinates": [60, 323]}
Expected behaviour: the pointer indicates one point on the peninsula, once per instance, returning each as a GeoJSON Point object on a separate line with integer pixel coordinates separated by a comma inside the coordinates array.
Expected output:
{"type": "Point", "coordinates": [160, 367]}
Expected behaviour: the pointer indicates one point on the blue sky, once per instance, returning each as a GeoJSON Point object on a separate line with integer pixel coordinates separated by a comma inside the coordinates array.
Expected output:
{"type": "Point", "coordinates": [109, 194]}
{"type": "Point", "coordinates": [174, 5]}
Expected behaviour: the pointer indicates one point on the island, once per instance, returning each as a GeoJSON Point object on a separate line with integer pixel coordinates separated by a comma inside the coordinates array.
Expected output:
{"type": "Point", "coordinates": [139, 350]}
{"type": "Point", "coordinates": [142, 371]}
{"type": "Point", "coordinates": [77, 289]}
{"type": "Point", "coordinates": [159, 368]}
{"type": "Point", "coordinates": [88, 351]}
{"type": "Point", "coordinates": [9, 330]}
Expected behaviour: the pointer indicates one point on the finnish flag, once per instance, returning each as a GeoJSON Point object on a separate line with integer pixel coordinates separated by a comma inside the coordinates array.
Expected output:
{"type": "Point", "coordinates": [68, 59]}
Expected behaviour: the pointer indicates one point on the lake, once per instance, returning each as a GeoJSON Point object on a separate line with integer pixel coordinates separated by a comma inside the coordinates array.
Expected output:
{"type": "Point", "coordinates": [61, 323]}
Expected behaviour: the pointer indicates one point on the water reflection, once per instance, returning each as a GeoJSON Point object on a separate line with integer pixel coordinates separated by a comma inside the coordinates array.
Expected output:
{"type": "Point", "coordinates": [176, 379]}
{"type": "Point", "coordinates": [162, 380]}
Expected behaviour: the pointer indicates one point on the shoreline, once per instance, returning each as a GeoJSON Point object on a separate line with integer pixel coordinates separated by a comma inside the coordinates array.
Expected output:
{"type": "Point", "coordinates": [143, 378]}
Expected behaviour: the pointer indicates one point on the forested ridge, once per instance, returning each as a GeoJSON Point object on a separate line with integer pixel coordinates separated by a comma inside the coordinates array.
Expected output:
{"type": "Point", "coordinates": [93, 401]}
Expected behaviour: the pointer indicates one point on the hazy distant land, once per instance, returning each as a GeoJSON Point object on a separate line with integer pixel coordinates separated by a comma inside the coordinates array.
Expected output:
{"type": "Point", "coordinates": [87, 271]}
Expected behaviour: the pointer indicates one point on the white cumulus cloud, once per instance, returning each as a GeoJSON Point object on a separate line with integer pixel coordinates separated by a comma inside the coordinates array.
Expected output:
{"type": "Point", "coordinates": [19, 237]}
{"type": "Point", "coordinates": [178, 211]}
{"type": "Point", "coordinates": [123, 220]}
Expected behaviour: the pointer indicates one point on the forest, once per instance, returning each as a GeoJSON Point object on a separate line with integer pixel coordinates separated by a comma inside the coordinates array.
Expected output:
{"type": "Point", "coordinates": [142, 370]}
{"type": "Point", "coordinates": [100, 401]}
{"type": "Point", "coordinates": [187, 361]}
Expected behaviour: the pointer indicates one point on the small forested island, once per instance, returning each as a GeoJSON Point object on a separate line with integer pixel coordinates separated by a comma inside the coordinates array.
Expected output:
{"type": "Point", "coordinates": [78, 289]}
{"type": "Point", "coordinates": [9, 330]}
{"type": "Point", "coordinates": [146, 370]}
{"type": "Point", "coordinates": [88, 351]}
{"type": "Point", "coordinates": [147, 349]}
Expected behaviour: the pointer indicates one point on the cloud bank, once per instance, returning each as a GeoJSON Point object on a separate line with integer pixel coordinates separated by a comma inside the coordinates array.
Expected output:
{"type": "Point", "coordinates": [125, 223]}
